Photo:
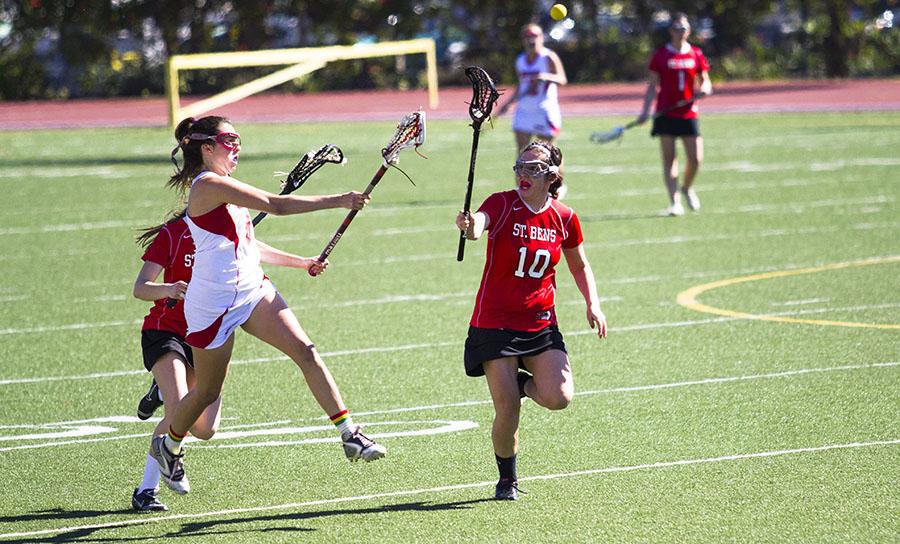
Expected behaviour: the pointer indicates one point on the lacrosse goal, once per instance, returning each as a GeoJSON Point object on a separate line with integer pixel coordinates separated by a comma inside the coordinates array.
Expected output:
{"type": "Point", "coordinates": [302, 61]}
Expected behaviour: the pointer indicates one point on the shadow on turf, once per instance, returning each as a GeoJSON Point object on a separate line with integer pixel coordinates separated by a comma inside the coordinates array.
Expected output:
{"type": "Point", "coordinates": [222, 526]}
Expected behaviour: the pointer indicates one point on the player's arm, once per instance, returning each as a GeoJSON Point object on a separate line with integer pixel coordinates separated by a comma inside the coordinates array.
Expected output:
{"type": "Point", "coordinates": [213, 190]}
{"type": "Point", "coordinates": [705, 87]}
{"type": "Point", "coordinates": [649, 95]}
{"type": "Point", "coordinates": [147, 288]}
{"type": "Point", "coordinates": [473, 224]}
{"type": "Point", "coordinates": [584, 280]}
{"type": "Point", "coordinates": [512, 99]}
{"type": "Point", "coordinates": [277, 257]}
{"type": "Point", "coordinates": [557, 73]}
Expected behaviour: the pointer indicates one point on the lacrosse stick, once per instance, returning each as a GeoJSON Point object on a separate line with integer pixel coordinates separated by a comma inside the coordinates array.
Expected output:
{"type": "Point", "coordinates": [616, 133]}
{"type": "Point", "coordinates": [306, 167]}
{"type": "Point", "coordinates": [484, 94]}
{"type": "Point", "coordinates": [309, 163]}
{"type": "Point", "coordinates": [410, 133]}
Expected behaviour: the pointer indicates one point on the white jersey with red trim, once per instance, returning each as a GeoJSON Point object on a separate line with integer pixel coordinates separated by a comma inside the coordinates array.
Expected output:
{"type": "Point", "coordinates": [538, 109]}
{"type": "Point", "coordinates": [227, 275]}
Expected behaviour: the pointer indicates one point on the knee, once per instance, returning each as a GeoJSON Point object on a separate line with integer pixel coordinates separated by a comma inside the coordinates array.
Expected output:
{"type": "Point", "coordinates": [558, 399]}
{"type": "Point", "coordinates": [305, 355]}
{"type": "Point", "coordinates": [207, 394]}
{"type": "Point", "coordinates": [205, 433]}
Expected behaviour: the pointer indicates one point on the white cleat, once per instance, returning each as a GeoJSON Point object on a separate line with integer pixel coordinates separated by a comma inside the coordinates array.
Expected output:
{"type": "Point", "coordinates": [359, 446]}
{"type": "Point", "coordinates": [693, 201]}
{"type": "Point", "coordinates": [675, 210]}
{"type": "Point", "coordinates": [171, 466]}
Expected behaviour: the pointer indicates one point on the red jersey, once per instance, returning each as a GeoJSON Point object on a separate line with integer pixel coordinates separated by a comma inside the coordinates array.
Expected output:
{"type": "Point", "coordinates": [677, 74]}
{"type": "Point", "coordinates": [173, 249]}
{"type": "Point", "coordinates": [518, 286]}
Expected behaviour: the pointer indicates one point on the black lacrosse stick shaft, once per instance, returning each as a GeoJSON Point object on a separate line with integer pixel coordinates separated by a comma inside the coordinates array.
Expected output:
{"type": "Point", "coordinates": [476, 127]}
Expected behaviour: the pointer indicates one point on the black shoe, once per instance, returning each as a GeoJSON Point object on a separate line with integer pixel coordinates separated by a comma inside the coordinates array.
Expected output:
{"type": "Point", "coordinates": [522, 377]}
{"type": "Point", "coordinates": [147, 501]}
{"type": "Point", "coordinates": [149, 402]}
{"type": "Point", "coordinates": [507, 490]}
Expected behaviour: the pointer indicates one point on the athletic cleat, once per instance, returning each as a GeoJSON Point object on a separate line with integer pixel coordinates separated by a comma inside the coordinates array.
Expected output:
{"type": "Point", "coordinates": [171, 465]}
{"type": "Point", "coordinates": [507, 490]}
{"type": "Point", "coordinates": [357, 445]}
{"type": "Point", "coordinates": [147, 501]}
{"type": "Point", "coordinates": [149, 402]}
{"type": "Point", "coordinates": [675, 210]}
{"type": "Point", "coordinates": [521, 378]}
{"type": "Point", "coordinates": [693, 201]}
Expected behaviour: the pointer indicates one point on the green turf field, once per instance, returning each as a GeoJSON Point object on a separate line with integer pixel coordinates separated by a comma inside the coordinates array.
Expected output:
{"type": "Point", "coordinates": [688, 426]}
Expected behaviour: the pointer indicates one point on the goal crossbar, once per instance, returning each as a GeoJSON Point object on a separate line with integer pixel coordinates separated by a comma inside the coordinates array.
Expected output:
{"type": "Point", "coordinates": [302, 61]}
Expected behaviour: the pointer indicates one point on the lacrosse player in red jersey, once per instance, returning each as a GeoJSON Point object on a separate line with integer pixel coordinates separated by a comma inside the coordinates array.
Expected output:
{"type": "Point", "coordinates": [229, 289]}
{"type": "Point", "coordinates": [513, 336]}
{"type": "Point", "coordinates": [680, 72]}
{"type": "Point", "coordinates": [170, 251]}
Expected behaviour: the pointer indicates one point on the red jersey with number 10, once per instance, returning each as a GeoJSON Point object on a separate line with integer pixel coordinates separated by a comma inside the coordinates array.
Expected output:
{"type": "Point", "coordinates": [677, 73]}
{"type": "Point", "coordinates": [518, 286]}
{"type": "Point", "coordinates": [173, 249]}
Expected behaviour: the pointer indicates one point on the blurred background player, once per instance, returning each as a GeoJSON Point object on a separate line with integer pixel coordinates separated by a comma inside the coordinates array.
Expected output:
{"type": "Point", "coordinates": [540, 72]}
{"type": "Point", "coordinates": [513, 339]}
{"type": "Point", "coordinates": [228, 288]}
{"type": "Point", "coordinates": [679, 72]}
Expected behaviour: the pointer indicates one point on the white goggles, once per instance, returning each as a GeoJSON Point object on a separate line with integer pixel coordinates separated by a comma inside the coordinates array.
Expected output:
{"type": "Point", "coordinates": [534, 168]}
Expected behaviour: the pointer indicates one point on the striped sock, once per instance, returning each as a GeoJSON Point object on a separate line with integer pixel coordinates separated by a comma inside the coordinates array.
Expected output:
{"type": "Point", "coordinates": [173, 441]}
{"type": "Point", "coordinates": [343, 421]}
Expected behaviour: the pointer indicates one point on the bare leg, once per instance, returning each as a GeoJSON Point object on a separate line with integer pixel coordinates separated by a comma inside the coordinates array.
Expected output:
{"type": "Point", "coordinates": [501, 378]}
{"type": "Point", "coordinates": [210, 368]}
{"type": "Point", "coordinates": [693, 150]}
{"type": "Point", "coordinates": [552, 386]}
{"type": "Point", "coordinates": [670, 167]}
{"type": "Point", "coordinates": [174, 378]}
{"type": "Point", "coordinates": [275, 324]}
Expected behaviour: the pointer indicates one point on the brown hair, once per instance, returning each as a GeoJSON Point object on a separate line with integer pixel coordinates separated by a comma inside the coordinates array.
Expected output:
{"type": "Point", "coordinates": [554, 154]}
{"type": "Point", "coordinates": [189, 145]}
{"type": "Point", "coordinates": [148, 234]}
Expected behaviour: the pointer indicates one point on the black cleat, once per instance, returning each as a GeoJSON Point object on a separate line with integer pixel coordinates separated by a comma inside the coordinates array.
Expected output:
{"type": "Point", "coordinates": [149, 402]}
{"type": "Point", "coordinates": [147, 501]}
{"type": "Point", "coordinates": [521, 378]}
{"type": "Point", "coordinates": [507, 490]}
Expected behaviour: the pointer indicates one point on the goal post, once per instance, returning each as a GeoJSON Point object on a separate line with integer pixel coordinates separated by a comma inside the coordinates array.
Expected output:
{"type": "Point", "coordinates": [302, 61]}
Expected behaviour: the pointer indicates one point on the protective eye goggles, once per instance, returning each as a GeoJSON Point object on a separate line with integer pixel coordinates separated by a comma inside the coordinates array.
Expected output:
{"type": "Point", "coordinates": [228, 140]}
{"type": "Point", "coordinates": [680, 28]}
{"type": "Point", "coordinates": [534, 168]}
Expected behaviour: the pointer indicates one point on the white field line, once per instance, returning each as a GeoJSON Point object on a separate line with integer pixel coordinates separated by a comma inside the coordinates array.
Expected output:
{"type": "Point", "coordinates": [431, 345]}
{"type": "Point", "coordinates": [455, 487]}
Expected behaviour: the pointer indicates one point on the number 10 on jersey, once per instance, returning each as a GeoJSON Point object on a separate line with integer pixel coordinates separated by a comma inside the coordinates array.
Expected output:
{"type": "Point", "coordinates": [539, 263]}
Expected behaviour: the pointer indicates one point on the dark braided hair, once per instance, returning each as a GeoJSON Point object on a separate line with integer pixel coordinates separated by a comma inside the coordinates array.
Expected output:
{"type": "Point", "coordinates": [554, 154]}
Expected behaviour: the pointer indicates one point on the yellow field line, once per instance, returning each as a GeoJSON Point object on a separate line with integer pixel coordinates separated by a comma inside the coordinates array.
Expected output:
{"type": "Point", "coordinates": [688, 298]}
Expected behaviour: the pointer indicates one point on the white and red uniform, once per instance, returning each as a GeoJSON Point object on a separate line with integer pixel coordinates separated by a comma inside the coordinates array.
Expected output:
{"type": "Point", "coordinates": [228, 281]}
{"type": "Point", "coordinates": [173, 249]}
{"type": "Point", "coordinates": [518, 286]}
{"type": "Point", "coordinates": [678, 70]}
{"type": "Point", "coordinates": [538, 109]}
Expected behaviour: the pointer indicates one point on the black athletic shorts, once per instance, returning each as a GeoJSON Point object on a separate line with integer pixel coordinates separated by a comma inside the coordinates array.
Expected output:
{"type": "Point", "coordinates": [155, 344]}
{"type": "Point", "coordinates": [671, 126]}
{"type": "Point", "coordinates": [487, 344]}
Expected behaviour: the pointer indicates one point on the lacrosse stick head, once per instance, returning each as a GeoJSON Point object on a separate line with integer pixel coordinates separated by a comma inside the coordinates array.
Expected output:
{"type": "Point", "coordinates": [309, 163]}
{"type": "Point", "coordinates": [410, 133]}
{"type": "Point", "coordinates": [608, 136]}
{"type": "Point", "coordinates": [484, 94]}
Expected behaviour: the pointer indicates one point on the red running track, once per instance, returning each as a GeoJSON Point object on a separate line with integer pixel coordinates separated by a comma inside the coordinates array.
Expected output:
{"type": "Point", "coordinates": [576, 100]}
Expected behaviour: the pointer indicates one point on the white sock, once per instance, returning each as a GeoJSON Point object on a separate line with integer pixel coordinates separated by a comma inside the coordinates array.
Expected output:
{"type": "Point", "coordinates": [172, 445]}
{"type": "Point", "coordinates": [151, 474]}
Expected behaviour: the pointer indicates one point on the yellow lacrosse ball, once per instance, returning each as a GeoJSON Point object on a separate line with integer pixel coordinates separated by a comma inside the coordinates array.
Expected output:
{"type": "Point", "coordinates": [558, 12]}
